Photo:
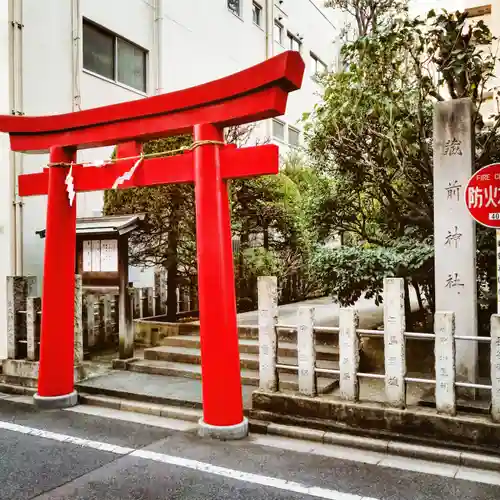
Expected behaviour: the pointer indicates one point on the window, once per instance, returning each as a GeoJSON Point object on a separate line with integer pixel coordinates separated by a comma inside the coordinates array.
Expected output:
{"type": "Point", "coordinates": [278, 130]}
{"type": "Point", "coordinates": [98, 51]}
{"type": "Point", "coordinates": [234, 6]}
{"type": "Point", "coordinates": [293, 137]}
{"type": "Point", "coordinates": [113, 57]}
{"type": "Point", "coordinates": [131, 64]}
{"type": "Point", "coordinates": [294, 42]}
{"type": "Point", "coordinates": [317, 65]}
{"type": "Point", "coordinates": [257, 14]}
{"type": "Point", "coordinates": [278, 32]}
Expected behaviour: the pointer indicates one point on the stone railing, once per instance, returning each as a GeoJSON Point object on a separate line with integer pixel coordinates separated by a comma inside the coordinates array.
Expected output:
{"type": "Point", "coordinates": [186, 294]}
{"type": "Point", "coordinates": [394, 379]}
{"type": "Point", "coordinates": [96, 317]}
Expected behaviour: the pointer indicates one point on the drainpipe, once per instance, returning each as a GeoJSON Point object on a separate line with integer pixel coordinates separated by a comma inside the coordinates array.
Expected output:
{"type": "Point", "coordinates": [12, 156]}
{"type": "Point", "coordinates": [76, 55]}
{"type": "Point", "coordinates": [159, 45]}
{"type": "Point", "coordinates": [269, 46]}
{"type": "Point", "coordinates": [16, 101]}
{"type": "Point", "coordinates": [269, 28]}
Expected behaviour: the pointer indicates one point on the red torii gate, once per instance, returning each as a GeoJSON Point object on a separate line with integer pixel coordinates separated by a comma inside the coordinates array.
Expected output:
{"type": "Point", "coordinates": [257, 93]}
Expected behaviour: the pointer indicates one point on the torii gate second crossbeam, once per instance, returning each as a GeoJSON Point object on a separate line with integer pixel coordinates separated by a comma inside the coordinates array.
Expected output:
{"type": "Point", "coordinates": [254, 94]}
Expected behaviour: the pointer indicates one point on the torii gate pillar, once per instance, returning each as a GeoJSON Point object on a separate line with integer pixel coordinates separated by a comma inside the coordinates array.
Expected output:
{"type": "Point", "coordinates": [221, 387]}
{"type": "Point", "coordinates": [257, 93]}
{"type": "Point", "coordinates": [56, 373]}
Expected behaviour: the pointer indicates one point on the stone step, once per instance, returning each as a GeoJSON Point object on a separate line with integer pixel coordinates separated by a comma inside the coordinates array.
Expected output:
{"type": "Point", "coordinates": [288, 380]}
{"type": "Point", "coordinates": [249, 361]}
{"type": "Point", "coordinates": [252, 332]}
{"type": "Point", "coordinates": [248, 346]}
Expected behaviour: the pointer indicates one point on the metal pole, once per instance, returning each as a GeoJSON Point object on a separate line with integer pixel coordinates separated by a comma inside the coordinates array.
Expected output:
{"type": "Point", "coordinates": [498, 269]}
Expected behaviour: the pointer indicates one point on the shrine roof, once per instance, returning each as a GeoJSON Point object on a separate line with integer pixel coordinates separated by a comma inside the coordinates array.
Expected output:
{"type": "Point", "coordinates": [105, 226]}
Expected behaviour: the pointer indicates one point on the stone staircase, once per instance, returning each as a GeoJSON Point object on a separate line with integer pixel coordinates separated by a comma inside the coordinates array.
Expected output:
{"type": "Point", "coordinates": [180, 356]}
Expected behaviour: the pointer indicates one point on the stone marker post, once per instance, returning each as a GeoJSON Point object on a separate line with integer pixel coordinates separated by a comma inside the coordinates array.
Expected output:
{"type": "Point", "coordinates": [454, 228]}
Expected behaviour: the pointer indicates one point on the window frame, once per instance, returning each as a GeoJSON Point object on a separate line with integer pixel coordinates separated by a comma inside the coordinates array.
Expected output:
{"type": "Point", "coordinates": [256, 7]}
{"type": "Point", "coordinates": [293, 39]}
{"type": "Point", "coordinates": [236, 13]}
{"type": "Point", "coordinates": [317, 61]}
{"type": "Point", "coordinates": [283, 124]}
{"type": "Point", "coordinates": [279, 28]}
{"type": "Point", "coordinates": [297, 131]}
{"type": "Point", "coordinates": [116, 39]}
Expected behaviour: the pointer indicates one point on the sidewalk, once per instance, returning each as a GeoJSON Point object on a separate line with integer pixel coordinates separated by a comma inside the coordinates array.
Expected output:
{"type": "Point", "coordinates": [159, 389]}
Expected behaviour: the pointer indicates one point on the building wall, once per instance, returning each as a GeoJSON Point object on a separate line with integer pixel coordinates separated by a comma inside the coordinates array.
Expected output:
{"type": "Point", "coordinates": [202, 40]}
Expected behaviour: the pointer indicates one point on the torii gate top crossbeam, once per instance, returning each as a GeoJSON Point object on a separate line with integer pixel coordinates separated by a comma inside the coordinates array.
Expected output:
{"type": "Point", "coordinates": [254, 94]}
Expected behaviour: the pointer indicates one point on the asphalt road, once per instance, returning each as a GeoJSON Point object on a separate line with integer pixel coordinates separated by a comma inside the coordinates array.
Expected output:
{"type": "Point", "coordinates": [69, 455]}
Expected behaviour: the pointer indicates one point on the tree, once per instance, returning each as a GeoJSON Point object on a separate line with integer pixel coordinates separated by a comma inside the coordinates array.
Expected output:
{"type": "Point", "coordinates": [372, 135]}
{"type": "Point", "coordinates": [369, 14]}
{"type": "Point", "coordinates": [167, 236]}
{"type": "Point", "coordinates": [263, 206]}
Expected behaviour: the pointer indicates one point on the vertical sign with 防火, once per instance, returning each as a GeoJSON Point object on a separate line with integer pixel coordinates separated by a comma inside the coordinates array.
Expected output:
{"type": "Point", "coordinates": [482, 198]}
{"type": "Point", "coordinates": [454, 229]}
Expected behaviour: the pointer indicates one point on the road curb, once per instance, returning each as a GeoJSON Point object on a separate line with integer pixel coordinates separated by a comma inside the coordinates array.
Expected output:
{"type": "Point", "coordinates": [17, 390]}
{"type": "Point", "coordinates": [179, 413]}
{"type": "Point", "coordinates": [429, 453]}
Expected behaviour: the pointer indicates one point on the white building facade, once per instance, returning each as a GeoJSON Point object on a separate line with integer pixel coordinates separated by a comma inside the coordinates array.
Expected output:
{"type": "Point", "coordinates": [58, 56]}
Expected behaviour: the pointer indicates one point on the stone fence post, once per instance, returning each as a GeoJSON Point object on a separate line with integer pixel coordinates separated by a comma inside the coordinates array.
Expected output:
{"type": "Point", "coordinates": [268, 342]}
{"type": "Point", "coordinates": [444, 349]}
{"type": "Point", "coordinates": [160, 292]}
{"type": "Point", "coordinates": [89, 306]}
{"type": "Point", "coordinates": [136, 303]}
{"type": "Point", "coordinates": [349, 354]}
{"type": "Point", "coordinates": [306, 352]}
{"type": "Point", "coordinates": [495, 368]}
{"type": "Point", "coordinates": [78, 322]}
{"type": "Point", "coordinates": [394, 342]}
{"type": "Point", "coordinates": [19, 288]}
{"type": "Point", "coordinates": [33, 324]}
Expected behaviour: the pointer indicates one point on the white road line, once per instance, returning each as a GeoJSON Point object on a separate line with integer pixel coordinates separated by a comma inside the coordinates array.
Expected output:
{"type": "Point", "coordinates": [248, 477]}
{"type": "Point", "coordinates": [63, 438]}
{"type": "Point", "coordinates": [272, 482]}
